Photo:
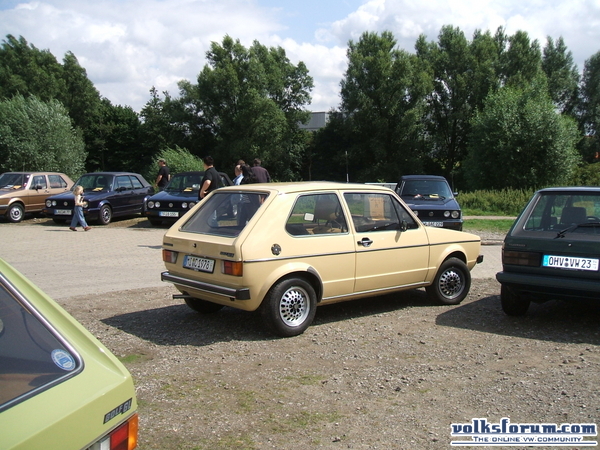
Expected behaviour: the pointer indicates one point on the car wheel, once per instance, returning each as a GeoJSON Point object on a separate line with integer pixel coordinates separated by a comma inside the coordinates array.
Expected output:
{"type": "Point", "coordinates": [105, 215]}
{"type": "Point", "coordinates": [155, 222]}
{"type": "Point", "coordinates": [451, 284]}
{"type": "Point", "coordinates": [289, 307]}
{"type": "Point", "coordinates": [15, 212]}
{"type": "Point", "coordinates": [513, 304]}
{"type": "Point", "coordinates": [202, 306]}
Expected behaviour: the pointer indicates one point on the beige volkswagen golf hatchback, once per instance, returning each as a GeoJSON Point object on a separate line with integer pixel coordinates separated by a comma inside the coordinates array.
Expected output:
{"type": "Point", "coordinates": [291, 247]}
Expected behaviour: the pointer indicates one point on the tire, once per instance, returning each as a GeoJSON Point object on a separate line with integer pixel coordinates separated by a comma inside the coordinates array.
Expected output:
{"type": "Point", "coordinates": [155, 222]}
{"type": "Point", "coordinates": [105, 215]}
{"type": "Point", "coordinates": [513, 304]}
{"type": "Point", "coordinates": [451, 284]}
{"type": "Point", "coordinates": [15, 213]}
{"type": "Point", "coordinates": [289, 307]}
{"type": "Point", "coordinates": [202, 306]}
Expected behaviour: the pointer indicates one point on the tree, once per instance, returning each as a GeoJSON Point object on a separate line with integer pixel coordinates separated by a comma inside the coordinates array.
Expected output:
{"type": "Point", "coordinates": [520, 60]}
{"type": "Point", "coordinates": [519, 141]}
{"type": "Point", "coordinates": [116, 143]}
{"type": "Point", "coordinates": [589, 110]}
{"type": "Point", "coordinates": [248, 103]}
{"type": "Point", "coordinates": [38, 136]}
{"type": "Point", "coordinates": [463, 75]}
{"type": "Point", "coordinates": [562, 74]}
{"type": "Point", "coordinates": [27, 71]}
{"type": "Point", "coordinates": [382, 100]}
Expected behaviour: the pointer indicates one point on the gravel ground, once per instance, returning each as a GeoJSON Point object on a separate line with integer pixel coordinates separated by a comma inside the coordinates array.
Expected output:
{"type": "Point", "coordinates": [390, 372]}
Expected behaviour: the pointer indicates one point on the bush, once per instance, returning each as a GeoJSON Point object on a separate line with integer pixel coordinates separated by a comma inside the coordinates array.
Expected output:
{"type": "Point", "coordinates": [178, 160]}
{"type": "Point", "coordinates": [505, 202]}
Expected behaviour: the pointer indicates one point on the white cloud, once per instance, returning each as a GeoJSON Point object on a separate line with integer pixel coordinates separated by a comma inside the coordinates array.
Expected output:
{"type": "Point", "coordinates": [128, 46]}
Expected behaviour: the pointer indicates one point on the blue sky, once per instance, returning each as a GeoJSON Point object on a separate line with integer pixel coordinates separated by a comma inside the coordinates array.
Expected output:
{"type": "Point", "coordinates": [129, 46]}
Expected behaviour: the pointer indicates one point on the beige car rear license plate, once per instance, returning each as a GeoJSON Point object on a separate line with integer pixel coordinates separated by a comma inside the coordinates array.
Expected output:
{"type": "Point", "coordinates": [200, 264]}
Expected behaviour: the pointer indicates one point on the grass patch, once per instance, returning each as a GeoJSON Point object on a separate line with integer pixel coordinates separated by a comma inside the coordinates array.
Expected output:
{"type": "Point", "coordinates": [133, 358]}
{"type": "Point", "coordinates": [492, 225]}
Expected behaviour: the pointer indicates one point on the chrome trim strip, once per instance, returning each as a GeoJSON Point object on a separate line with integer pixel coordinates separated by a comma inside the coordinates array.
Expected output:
{"type": "Point", "coordinates": [380, 291]}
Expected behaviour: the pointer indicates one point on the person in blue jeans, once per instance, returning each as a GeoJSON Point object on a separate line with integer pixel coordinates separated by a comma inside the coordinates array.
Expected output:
{"type": "Point", "coordinates": [78, 211]}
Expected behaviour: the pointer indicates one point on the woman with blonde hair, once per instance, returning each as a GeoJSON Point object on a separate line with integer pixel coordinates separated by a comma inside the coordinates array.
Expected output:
{"type": "Point", "coordinates": [78, 210]}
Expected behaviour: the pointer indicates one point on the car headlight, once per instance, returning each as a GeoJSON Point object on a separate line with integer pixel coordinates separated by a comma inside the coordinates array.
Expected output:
{"type": "Point", "coordinates": [53, 202]}
{"type": "Point", "coordinates": [192, 205]}
{"type": "Point", "coordinates": [150, 204]}
{"type": "Point", "coordinates": [184, 205]}
{"type": "Point", "coordinates": [446, 214]}
{"type": "Point", "coordinates": [455, 214]}
{"type": "Point", "coordinates": [157, 204]}
{"type": "Point", "coordinates": [48, 203]}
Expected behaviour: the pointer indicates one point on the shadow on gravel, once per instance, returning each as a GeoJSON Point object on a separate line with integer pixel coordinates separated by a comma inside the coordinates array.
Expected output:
{"type": "Point", "coordinates": [555, 321]}
{"type": "Point", "coordinates": [179, 325]}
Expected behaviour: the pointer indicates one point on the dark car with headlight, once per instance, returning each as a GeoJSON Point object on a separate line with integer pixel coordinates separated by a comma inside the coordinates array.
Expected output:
{"type": "Point", "coordinates": [106, 195]}
{"type": "Point", "coordinates": [431, 198]}
{"type": "Point", "coordinates": [552, 250]}
{"type": "Point", "coordinates": [178, 197]}
{"type": "Point", "coordinates": [60, 388]}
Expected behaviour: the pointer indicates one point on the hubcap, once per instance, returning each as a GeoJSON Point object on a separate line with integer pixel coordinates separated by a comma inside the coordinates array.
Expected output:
{"type": "Point", "coordinates": [15, 214]}
{"type": "Point", "coordinates": [294, 306]}
{"type": "Point", "coordinates": [451, 284]}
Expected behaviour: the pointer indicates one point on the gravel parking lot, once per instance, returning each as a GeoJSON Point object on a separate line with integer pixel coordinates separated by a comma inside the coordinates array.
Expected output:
{"type": "Point", "coordinates": [390, 372]}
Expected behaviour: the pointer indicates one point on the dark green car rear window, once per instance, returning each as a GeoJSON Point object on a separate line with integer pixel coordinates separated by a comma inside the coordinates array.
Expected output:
{"type": "Point", "coordinates": [33, 357]}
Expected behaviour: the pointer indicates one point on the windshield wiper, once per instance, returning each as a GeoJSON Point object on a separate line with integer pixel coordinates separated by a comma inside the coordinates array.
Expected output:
{"type": "Point", "coordinates": [561, 233]}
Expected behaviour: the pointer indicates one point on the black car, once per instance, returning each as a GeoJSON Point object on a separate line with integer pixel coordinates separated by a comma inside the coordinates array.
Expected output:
{"type": "Point", "coordinates": [431, 198]}
{"type": "Point", "coordinates": [179, 196]}
{"type": "Point", "coordinates": [106, 194]}
{"type": "Point", "coordinates": [552, 251]}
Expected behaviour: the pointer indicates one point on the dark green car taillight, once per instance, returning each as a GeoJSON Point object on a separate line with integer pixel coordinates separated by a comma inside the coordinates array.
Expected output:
{"type": "Point", "coordinates": [516, 258]}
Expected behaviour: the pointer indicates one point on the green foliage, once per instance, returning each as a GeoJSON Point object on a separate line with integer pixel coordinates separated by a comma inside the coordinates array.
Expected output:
{"type": "Point", "coordinates": [504, 202]}
{"type": "Point", "coordinates": [178, 160]}
{"type": "Point", "coordinates": [520, 141]}
{"type": "Point", "coordinates": [39, 136]}
{"type": "Point", "coordinates": [383, 100]}
{"type": "Point", "coordinates": [562, 74]}
{"type": "Point", "coordinates": [586, 175]}
{"type": "Point", "coordinates": [247, 104]}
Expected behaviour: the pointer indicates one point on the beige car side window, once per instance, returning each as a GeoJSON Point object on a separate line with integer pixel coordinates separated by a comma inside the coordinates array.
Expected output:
{"type": "Point", "coordinates": [316, 214]}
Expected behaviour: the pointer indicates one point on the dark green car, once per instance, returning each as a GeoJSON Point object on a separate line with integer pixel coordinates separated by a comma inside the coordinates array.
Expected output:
{"type": "Point", "coordinates": [552, 250]}
{"type": "Point", "coordinates": [60, 388]}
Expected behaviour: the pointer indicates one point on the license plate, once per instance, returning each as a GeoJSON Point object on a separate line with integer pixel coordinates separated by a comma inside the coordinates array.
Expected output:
{"type": "Point", "coordinates": [200, 264]}
{"type": "Point", "coordinates": [62, 212]}
{"type": "Point", "coordinates": [434, 224]}
{"type": "Point", "coordinates": [570, 262]}
{"type": "Point", "coordinates": [168, 214]}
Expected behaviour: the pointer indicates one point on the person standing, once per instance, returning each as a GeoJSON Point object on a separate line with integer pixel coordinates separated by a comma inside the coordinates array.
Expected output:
{"type": "Point", "coordinates": [163, 176]}
{"type": "Point", "coordinates": [211, 179]}
{"type": "Point", "coordinates": [261, 174]}
{"type": "Point", "coordinates": [238, 175]}
{"type": "Point", "coordinates": [78, 218]}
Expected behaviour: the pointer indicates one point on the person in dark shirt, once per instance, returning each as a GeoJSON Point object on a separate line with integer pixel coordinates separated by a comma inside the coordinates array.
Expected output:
{"type": "Point", "coordinates": [163, 174]}
{"type": "Point", "coordinates": [261, 174]}
{"type": "Point", "coordinates": [211, 179]}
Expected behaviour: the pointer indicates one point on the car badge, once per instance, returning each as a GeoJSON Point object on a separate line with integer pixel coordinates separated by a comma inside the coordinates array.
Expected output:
{"type": "Point", "coordinates": [276, 249]}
